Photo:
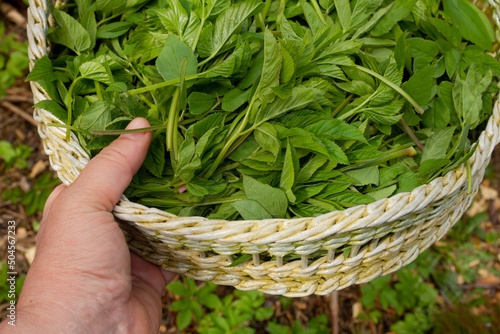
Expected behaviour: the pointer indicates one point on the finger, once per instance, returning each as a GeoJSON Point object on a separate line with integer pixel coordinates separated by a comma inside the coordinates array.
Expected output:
{"type": "Point", "coordinates": [108, 174]}
{"type": "Point", "coordinates": [51, 199]}
{"type": "Point", "coordinates": [148, 272]}
{"type": "Point", "coordinates": [168, 276]}
{"type": "Point", "coordinates": [48, 206]}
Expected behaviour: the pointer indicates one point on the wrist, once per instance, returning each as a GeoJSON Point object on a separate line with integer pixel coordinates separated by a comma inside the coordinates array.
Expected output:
{"type": "Point", "coordinates": [39, 318]}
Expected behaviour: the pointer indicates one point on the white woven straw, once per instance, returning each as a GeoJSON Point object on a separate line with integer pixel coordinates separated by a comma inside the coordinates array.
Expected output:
{"type": "Point", "coordinates": [384, 235]}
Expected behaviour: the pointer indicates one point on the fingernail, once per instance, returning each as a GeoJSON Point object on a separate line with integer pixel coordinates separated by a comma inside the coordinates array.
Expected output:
{"type": "Point", "coordinates": [136, 123]}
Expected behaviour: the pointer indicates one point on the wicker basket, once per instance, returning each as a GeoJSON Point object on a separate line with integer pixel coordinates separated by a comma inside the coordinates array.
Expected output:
{"type": "Point", "coordinates": [384, 235]}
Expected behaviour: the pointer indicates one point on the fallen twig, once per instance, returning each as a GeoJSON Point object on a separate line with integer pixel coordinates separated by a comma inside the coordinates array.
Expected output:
{"type": "Point", "coordinates": [19, 112]}
{"type": "Point", "coordinates": [12, 14]}
{"type": "Point", "coordinates": [17, 98]}
{"type": "Point", "coordinates": [334, 307]}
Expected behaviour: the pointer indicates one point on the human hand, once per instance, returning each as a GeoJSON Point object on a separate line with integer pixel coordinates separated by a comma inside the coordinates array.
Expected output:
{"type": "Point", "coordinates": [84, 278]}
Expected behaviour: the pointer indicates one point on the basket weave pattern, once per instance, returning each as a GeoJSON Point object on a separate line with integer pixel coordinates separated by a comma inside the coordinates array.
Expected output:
{"type": "Point", "coordinates": [384, 235]}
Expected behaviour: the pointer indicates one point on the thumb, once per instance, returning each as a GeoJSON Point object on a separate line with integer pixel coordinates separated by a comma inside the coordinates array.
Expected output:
{"type": "Point", "coordinates": [109, 173]}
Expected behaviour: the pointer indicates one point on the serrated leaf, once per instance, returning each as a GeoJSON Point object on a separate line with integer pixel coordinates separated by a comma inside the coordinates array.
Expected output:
{"type": "Point", "coordinates": [179, 289]}
{"type": "Point", "coordinates": [235, 98]}
{"type": "Point", "coordinates": [267, 137]}
{"type": "Point", "coordinates": [214, 38]}
{"type": "Point", "coordinates": [343, 8]}
{"type": "Point", "coordinates": [94, 71]}
{"type": "Point", "coordinates": [113, 30]}
{"type": "Point", "coordinates": [155, 158]}
{"type": "Point", "coordinates": [251, 210]}
{"type": "Point", "coordinates": [201, 187]}
{"type": "Point", "coordinates": [398, 11]}
{"type": "Point", "coordinates": [42, 70]}
{"type": "Point", "coordinates": [437, 144]}
{"type": "Point", "coordinates": [420, 85]}
{"type": "Point", "coordinates": [70, 33]}
{"type": "Point", "coordinates": [54, 108]}
{"type": "Point", "coordinates": [364, 176]}
{"type": "Point", "coordinates": [183, 319]}
{"type": "Point", "coordinates": [270, 68]}
{"type": "Point", "coordinates": [300, 98]}
{"type": "Point", "coordinates": [211, 301]}
{"type": "Point", "coordinates": [96, 116]}
{"type": "Point", "coordinates": [273, 200]}
{"type": "Point", "coordinates": [336, 129]}
{"type": "Point", "coordinates": [290, 171]}
{"type": "Point", "coordinates": [350, 198]}
{"type": "Point", "coordinates": [109, 5]}
{"type": "Point", "coordinates": [200, 102]}
{"type": "Point", "coordinates": [171, 58]}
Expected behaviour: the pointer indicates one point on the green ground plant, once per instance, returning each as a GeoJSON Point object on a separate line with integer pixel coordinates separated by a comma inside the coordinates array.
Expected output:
{"type": "Point", "coordinates": [5, 285]}
{"type": "Point", "coordinates": [34, 199]}
{"type": "Point", "coordinates": [14, 156]}
{"type": "Point", "coordinates": [211, 314]}
{"type": "Point", "coordinates": [13, 59]}
{"type": "Point", "coordinates": [427, 296]}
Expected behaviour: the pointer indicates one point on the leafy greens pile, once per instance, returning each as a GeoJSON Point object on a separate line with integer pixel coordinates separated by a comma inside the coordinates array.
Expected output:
{"type": "Point", "coordinates": [275, 108]}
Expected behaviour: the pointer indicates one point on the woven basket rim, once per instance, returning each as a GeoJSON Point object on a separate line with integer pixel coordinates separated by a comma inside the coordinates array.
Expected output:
{"type": "Point", "coordinates": [167, 222]}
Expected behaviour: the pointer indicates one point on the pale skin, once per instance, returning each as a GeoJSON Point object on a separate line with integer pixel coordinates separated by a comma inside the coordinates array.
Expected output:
{"type": "Point", "coordinates": [84, 279]}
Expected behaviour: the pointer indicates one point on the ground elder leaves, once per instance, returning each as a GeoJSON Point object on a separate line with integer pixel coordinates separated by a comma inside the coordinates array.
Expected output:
{"type": "Point", "coordinates": [270, 111]}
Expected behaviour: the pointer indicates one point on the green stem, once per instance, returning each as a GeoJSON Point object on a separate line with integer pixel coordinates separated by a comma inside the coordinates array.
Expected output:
{"type": "Point", "coordinates": [70, 106]}
{"type": "Point", "coordinates": [173, 202]}
{"type": "Point", "coordinates": [409, 151]}
{"type": "Point", "coordinates": [228, 167]}
{"type": "Point", "coordinates": [260, 21]}
{"type": "Point", "coordinates": [265, 11]}
{"type": "Point", "coordinates": [355, 110]}
{"type": "Point", "coordinates": [318, 11]}
{"type": "Point", "coordinates": [393, 86]}
{"type": "Point", "coordinates": [342, 105]}
{"type": "Point", "coordinates": [229, 143]}
{"type": "Point", "coordinates": [98, 89]}
{"type": "Point", "coordinates": [281, 10]}
{"type": "Point", "coordinates": [172, 116]}
{"type": "Point", "coordinates": [162, 84]}
{"type": "Point", "coordinates": [121, 132]}
{"type": "Point", "coordinates": [410, 133]}
{"type": "Point", "coordinates": [145, 100]}
{"type": "Point", "coordinates": [202, 22]}
{"type": "Point", "coordinates": [244, 135]}
{"type": "Point", "coordinates": [69, 127]}
{"type": "Point", "coordinates": [106, 19]}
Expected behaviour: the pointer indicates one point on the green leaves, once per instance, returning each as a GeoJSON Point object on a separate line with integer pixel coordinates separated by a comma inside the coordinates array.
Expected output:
{"type": "Point", "coordinates": [420, 85]}
{"type": "Point", "coordinates": [215, 37]}
{"type": "Point", "coordinates": [96, 116]}
{"type": "Point", "coordinates": [270, 68]}
{"type": "Point", "coordinates": [200, 102]}
{"type": "Point", "coordinates": [276, 109]}
{"type": "Point", "coordinates": [290, 171]}
{"type": "Point", "coordinates": [251, 210]}
{"type": "Point", "coordinates": [42, 70]}
{"type": "Point", "coordinates": [94, 71]}
{"type": "Point", "coordinates": [267, 137]}
{"type": "Point", "coordinates": [70, 33]}
{"type": "Point", "coordinates": [471, 22]}
{"type": "Point", "coordinates": [437, 145]}
{"type": "Point", "coordinates": [344, 13]}
{"type": "Point", "coordinates": [398, 11]}
{"type": "Point", "coordinates": [273, 200]}
{"type": "Point", "coordinates": [202, 187]}
{"type": "Point", "coordinates": [170, 61]}
{"type": "Point", "coordinates": [113, 30]}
